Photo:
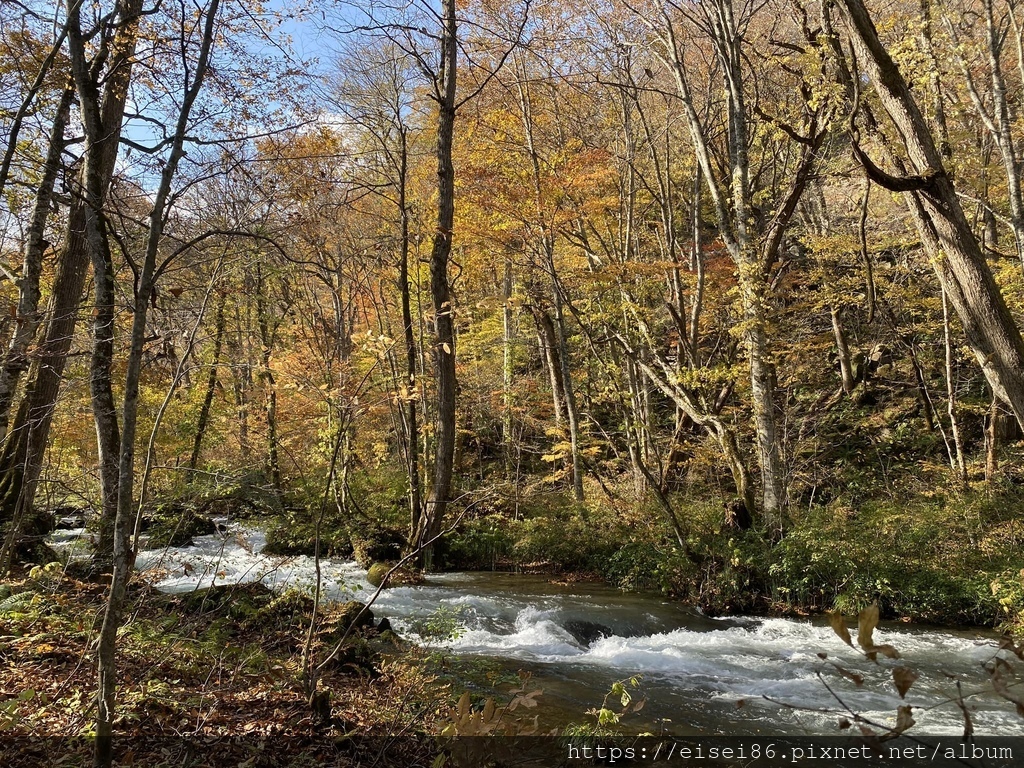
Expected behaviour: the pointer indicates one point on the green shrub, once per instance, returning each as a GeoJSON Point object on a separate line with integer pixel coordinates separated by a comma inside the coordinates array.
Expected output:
{"type": "Point", "coordinates": [480, 544]}
{"type": "Point", "coordinates": [573, 540]}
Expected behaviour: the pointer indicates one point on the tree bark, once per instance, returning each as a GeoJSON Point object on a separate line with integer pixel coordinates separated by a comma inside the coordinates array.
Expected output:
{"type": "Point", "coordinates": [411, 397]}
{"type": "Point", "coordinates": [211, 385]}
{"type": "Point", "coordinates": [267, 375]}
{"type": "Point", "coordinates": [440, 288]}
{"type": "Point", "coordinates": [22, 455]}
{"type": "Point", "coordinates": [843, 350]}
{"type": "Point", "coordinates": [123, 553]}
{"type": "Point", "coordinates": [98, 242]}
{"type": "Point", "coordinates": [942, 225]}
{"type": "Point", "coordinates": [27, 322]}
{"type": "Point", "coordinates": [956, 461]}
{"type": "Point", "coordinates": [552, 359]}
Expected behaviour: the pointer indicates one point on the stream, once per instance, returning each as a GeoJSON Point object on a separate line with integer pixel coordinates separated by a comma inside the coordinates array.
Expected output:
{"type": "Point", "coordinates": [736, 676]}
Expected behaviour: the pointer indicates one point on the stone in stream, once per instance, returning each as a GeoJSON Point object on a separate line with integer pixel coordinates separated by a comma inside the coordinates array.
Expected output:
{"type": "Point", "coordinates": [68, 518]}
{"type": "Point", "coordinates": [586, 632]}
{"type": "Point", "coordinates": [403, 577]}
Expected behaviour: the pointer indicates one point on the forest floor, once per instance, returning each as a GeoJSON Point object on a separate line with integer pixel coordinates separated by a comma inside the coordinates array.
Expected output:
{"type": "Point", "coordinates": [216, 682]}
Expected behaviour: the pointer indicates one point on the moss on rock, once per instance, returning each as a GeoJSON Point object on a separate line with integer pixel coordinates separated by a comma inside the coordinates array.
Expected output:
{"type": "Point", "coordinates": [374, 545]}
{"type": "Point", "coordinates": [175, 525]}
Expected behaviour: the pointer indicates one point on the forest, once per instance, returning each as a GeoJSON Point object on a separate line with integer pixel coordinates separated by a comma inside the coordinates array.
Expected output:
{"type": "Point", "coordinates": [713, 305]}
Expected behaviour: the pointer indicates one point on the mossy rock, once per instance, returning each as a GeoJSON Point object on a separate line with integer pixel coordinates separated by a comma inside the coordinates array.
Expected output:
{"type": "Point", "coordinates": [91, 570]}
{"type": "Point", "coordinates": [293, 536]}
{"type": "Point", "coordinates": [35, 552]}
{"type": "Point", "coordinates": [284, 610]}
{"type": "Point", "coordinates": [372, 545]}
{"type": "Point", "coordinates": [38, 523]}
{"type": "Point", "coordinates": [391, 638]}
{"type": "Point", "coordinates": [67, 517]}
{"type": "Point", "coordinates": [376, 573]}
{"type": "Point", "coordinates": [403, 577]}
{"type": "Point", "coordinates": [343, 614]}
{"type": "Point", "coordinates": [358, 656]}
{"type": "Point", "coordinates": [238, 601]}
{"type": "Point", "coordinates": [175, 526]}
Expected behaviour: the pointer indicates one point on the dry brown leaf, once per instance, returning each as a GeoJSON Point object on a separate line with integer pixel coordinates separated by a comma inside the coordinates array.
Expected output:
{"type": "Point", "coordinates": [904, 720]}
{"type": "Point", "coordinates": [856, 679]}
{"type": "Point", "coordinates": [867, 620]}
{"type": "Point", "coordinates": [839, 627]}
{"type": "Point", "coordinates": [903, 678]}
{"type": "Point", "coordinates": [886, 650]}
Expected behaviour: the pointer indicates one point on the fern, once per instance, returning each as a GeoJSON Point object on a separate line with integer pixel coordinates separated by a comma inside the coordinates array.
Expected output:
{"type": "Point", "coordinates": [16, 603]}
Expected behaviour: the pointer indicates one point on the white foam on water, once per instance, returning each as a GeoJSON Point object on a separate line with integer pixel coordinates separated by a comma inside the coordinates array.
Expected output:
{"type": "Point", "coordinates": [235, 557]}
{"type": "Point", "coordinates": [770, 664]}
{"type": "Point", "coordinates": [74, 543]}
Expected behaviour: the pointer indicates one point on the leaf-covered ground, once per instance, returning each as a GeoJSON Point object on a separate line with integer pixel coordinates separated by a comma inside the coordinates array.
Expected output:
{"type": "Point", "coordinates": [206, 680]}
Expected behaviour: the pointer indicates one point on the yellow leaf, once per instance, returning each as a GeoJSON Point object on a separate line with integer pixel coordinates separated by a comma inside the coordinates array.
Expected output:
{"type": "Point", "coordinates": [867, 620]}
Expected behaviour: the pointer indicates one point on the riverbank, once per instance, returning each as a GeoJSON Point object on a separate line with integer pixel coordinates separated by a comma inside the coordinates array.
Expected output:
{"type": "Point", "coordinates": [211, 676]}
{"type": "Point", "coordinates": [193, 660]}
{"type": "Point", "coordinates": [951, 559]}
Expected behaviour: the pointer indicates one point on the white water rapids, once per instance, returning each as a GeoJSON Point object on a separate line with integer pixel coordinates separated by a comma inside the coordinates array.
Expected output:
{"type": "Point", "coordinates": [741, 675]}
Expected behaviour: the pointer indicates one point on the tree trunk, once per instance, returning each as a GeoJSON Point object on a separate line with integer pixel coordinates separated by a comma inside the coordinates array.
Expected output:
{"type": "Point", "coordinates": [752, 251]}
{"type": "Point", "coordinates": [957, 463]}
{"type": "Point", "coordinates": [267, 375]}
{"type": "Point", "coordinates": [21, 459]}
{"type": "Point", "coordinates": [571, 411]}
{"type": "Point", "coordinates": [549, 346]}
{"type": "Point", "coordinates": [843, 350]}
{"type": "Point", "coordinates": [211, 385]}
{"type": "Point", "coordinates": [942, 225]}
{"type": "Point", "coordinates": [507, 370]}
{"type": "Point", "coordinates": [440, 288]}
{"type": "Point", "coordinates": [411, 398]}
{"type": "Point", "coordinates": [29, 317]}
{"type": "Point", "coordinates": [123, 553]}
{"type": "Point", "coordinates": [1001, 429]}
{"type": "Point", "coordinates": [94, 192]}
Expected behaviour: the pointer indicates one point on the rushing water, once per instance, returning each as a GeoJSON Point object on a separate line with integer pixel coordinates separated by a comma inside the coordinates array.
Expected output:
{"type": "Point", "coordinates": [700, 675]}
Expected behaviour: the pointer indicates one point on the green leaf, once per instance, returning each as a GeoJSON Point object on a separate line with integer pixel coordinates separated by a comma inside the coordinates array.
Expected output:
{"type": "Point", "coordinates": [605, 716]}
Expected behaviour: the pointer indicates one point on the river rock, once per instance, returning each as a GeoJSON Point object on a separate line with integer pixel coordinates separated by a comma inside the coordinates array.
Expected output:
{"type": "Point", "coordinates": [69, 518]}
{"type": "Point", "coordinates": [376, 573]}
{"type": "Point", "coordinates": [238, 601]}
{"type": "Point", "coordinates": [586, 632]}
{"type": "Point", "coordinates": [403, 577]}
{"type": "Point", "coordinates": [373, 545]}
{"type": "Point", "coordinates": [346, 613]}
{"type": "Point", "coordinates": [37, 523]}
{"type": "Point", "coordinates": [175, 525]}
